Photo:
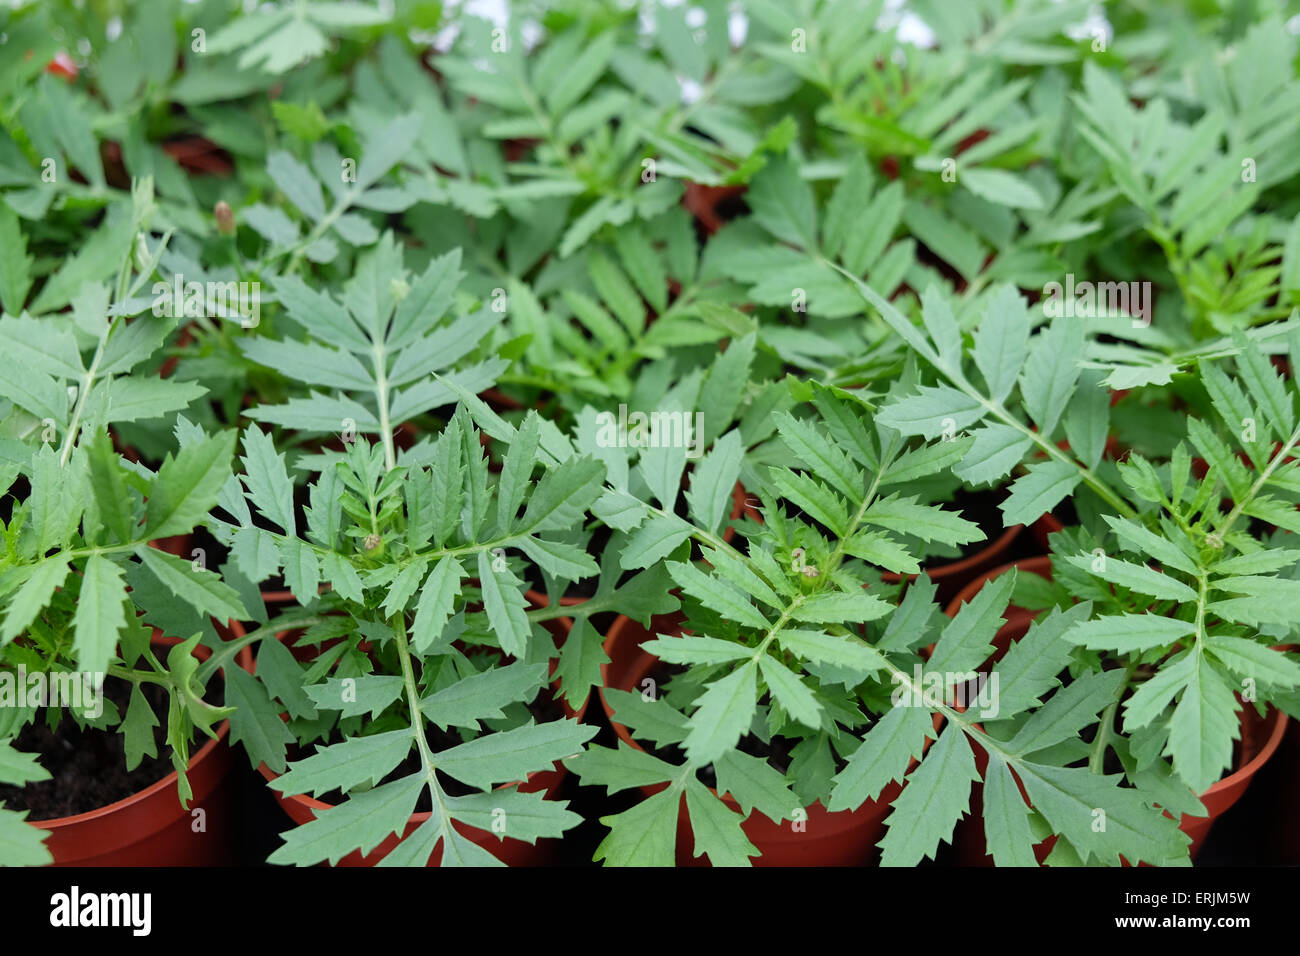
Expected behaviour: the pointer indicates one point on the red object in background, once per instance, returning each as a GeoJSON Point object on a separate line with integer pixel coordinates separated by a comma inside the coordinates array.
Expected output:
{"type": "Point", "coordinates": [62, 65]}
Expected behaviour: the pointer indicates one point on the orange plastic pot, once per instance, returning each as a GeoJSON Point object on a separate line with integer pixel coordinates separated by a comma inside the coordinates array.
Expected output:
{"type": "Point", "coordinates": [843, 838]}
{"type": "Point", "coordinates": [151, 828]}
{"type": "Point", "coordinates": [302, 808]}
{"type": "Point", "coordinates": [703, 203]}
{"type": "Point", "coordinates": [952, 578]}
{"type": "Point", "coordinates": [1017, 618]}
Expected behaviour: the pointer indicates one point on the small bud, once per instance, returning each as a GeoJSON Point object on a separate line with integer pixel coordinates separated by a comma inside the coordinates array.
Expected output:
{"type": "Point", "coordinates": [142, 256]}
{"type": "Point", "coordinates": [400, 289]}
{"type": "Point", "coordinates": [225, 218]}
{"type": "Point", "coordinates": [371, 541]}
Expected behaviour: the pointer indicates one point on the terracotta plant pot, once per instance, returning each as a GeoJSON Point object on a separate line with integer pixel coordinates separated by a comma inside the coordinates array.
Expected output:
{"type": "Point", "coordinates": [844, 838]}
{"type": "Point", "coordinates": [1260, 738]}
{"type": "Point", "coordinates": [302, 808]}
{"type": "Point", "coordinates": [1017, 618]}
{"type": "Point", "coordinates": [703, 203]}
{"type": "Point", "coordinates": [151, 828]}
{"type": "Point", "coordinates": [195, 154]}
{"type": "Point", "coordinates": [950, 577]}
{"type": "Point", "coordinates": [956, 576]}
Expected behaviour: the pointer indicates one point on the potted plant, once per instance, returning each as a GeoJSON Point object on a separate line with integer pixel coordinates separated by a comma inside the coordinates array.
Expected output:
{"type": "Point", "coordinates": [103, 634]}
{"type": "Point", "coordinates": [1187, 643]}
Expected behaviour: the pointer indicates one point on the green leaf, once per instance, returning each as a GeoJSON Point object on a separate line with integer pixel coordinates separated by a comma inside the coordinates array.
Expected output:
{"type": "Point", "coordinates": [1127, 633]}
{"type": "Point", "coordinates": [783, 204]}
{"type": "Point", "coordinates": [15, 265]}
{"type": "Point", "coordinates": [1136, 577]}
{"type": "Point", "coordinates": [42, 345]}
{"type": "Point", "coordinates": [829, 649]}
{"type": "Point", "coordinates": [884, 755]}
{"type": "Point", "coordinates": [202, 590]}
{"type": "Point", "coordinates": [826, 461]}
{"type": "Point", "coordinates": [932, 412]}
{"type": "Point", "coordinates": [186, 487]}
{"type": "Point", "coordinates": [1038, 491]}
{"type": "Point", "coordinates": [19, 767]}
{"type": "Point", "coordinates": [361, 822]}
{"type": "Point", "coordinates": [581, 659]}
{"type": "Point", "coordinates": [716, 594]}
{"type": "Point", "coordinates": [652, 719]}
{"type": "Point", "coordinates": [132, 399]}
{"type": "Point", "coordinates": [511, 755]}
{"type": "Point", "coordinates": [343, 766]}
{"type": "Point", "coordinates": [927, 522]}
{"type": "Point", "coordinates": [256, 721]}
{"type": "Point", "coordinates": [717, 828]}
{"type": "Point", "coordinates": [838, 607]}
{"type": "Point", "coordinates": [504, 605]}
{"type": "Point", "coordinates": [353, 696]}
{"type": "Point", "coordinates": [268, 482]}
{"type": "Point", "coordinates": [790, 692]}
{"type": "Point", "coordinates": [620, 769]}
{"type": "Point", "coordinates": [756, 785]}
{"type": "Point", "coordinates": [1008, 836]}
{"type": "Point", "coordinates": [1069, 711]}
{"type": "Point", "coordinates": [101, 613]}
{"type": "Point", "coordinates": [936, 796]}
{"type": "Point", "coordinates": [404, 585]}
{"type": "Point", "coordinates": [484, 696]}
{"type": "Point", "coordinates": [645, 834]}
{"type": "Point", "coordinates": [725, 711]}
{"type": "Point", "coordinates": [524, 816]}
{"type": "Point", "coordinates": [1142, 541]}
{"type": "Point", "coordinates": [108, 487]}
{"type": "Point", "coordinates": [1002, 188]}
{"type": "Point", "coordinates": [1203, 727]}
{"type": "Point", "coordinates": [21, 844]}
{"type": "Point", "coordinates": [967, 640]}
{"type": "Point", "coordinates": [1250, 659]}
{"type": "Point", "coordinates": [713, 479]}
{"type": "Point", "coordinates": [31, 598]}
{"type": "Point", "coordinates": [1069, 798]}
{"type": "Point", "coordinates": [1051, 372]}
{"type": "Point", "coordinates": [996, 450]}
{"type": "Point", "coordinates": [696, 649]}
{"type": "Point", "coordinates": [437, 602]}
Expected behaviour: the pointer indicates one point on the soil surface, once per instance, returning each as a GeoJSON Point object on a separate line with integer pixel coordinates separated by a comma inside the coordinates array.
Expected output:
{"type": "Point", "coordinates": [88, 767]}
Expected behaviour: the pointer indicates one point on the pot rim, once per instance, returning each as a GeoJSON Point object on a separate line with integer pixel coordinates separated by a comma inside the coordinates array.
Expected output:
{"type": "Point", "coordinates": [943, 571]}
{"type": "Point", "coordinates": [169, 781]}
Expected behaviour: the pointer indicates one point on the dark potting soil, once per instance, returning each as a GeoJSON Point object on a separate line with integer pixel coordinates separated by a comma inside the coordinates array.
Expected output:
{"type": "Point", "coordinates": [981, 507]}
{"type": "Point", "coordinates": [87, 766]}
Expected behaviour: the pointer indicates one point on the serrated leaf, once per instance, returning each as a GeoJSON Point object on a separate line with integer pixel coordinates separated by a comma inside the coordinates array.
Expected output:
{"type": "Point", "coordinates": [936, 796]}
{"type": "Point", "coordinates": [723, 715]}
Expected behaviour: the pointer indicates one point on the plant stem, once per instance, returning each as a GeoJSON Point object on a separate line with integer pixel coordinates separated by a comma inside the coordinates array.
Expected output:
{"type": "Point", "coordinates": [1097, 761]}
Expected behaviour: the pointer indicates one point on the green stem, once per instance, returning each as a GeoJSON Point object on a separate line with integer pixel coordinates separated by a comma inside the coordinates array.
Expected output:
{"type": "Point", "coordinates": [1097, 761]}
